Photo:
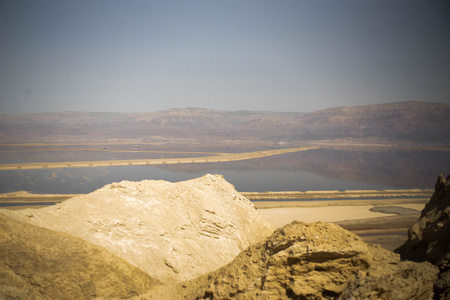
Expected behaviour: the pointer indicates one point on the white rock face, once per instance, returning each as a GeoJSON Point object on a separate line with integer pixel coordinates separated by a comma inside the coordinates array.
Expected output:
{"type": "Point", "coordinates": [172, 231]}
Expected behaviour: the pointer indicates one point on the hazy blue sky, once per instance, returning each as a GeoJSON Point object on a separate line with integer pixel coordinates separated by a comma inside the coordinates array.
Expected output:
{"type": "Point", "coordinates": [279, 55]}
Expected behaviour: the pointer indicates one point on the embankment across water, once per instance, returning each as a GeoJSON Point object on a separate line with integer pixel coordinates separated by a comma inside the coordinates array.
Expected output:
{"type": "Point", "coordinates": [138, 162]}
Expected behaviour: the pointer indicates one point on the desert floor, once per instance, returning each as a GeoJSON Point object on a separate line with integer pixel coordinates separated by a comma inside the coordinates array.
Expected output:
{"type": "Point", "coordinates": [386, 225]}
{"type": "Point", "coordinates": [281, 216]}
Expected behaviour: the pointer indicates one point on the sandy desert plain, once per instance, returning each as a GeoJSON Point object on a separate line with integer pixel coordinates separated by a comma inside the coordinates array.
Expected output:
{"type": "Point", "coordinates": [378, 216]}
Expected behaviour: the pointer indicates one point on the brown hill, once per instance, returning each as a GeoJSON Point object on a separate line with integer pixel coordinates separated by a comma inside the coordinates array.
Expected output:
{"type": "Point", "coordinates": [407, 121]}
{"type": "Point", "coordinates": [38, 263]}
{"type": "Point", "coordinates": [311, 261]}
{"type": "Point", "coordinates": [415, 121]}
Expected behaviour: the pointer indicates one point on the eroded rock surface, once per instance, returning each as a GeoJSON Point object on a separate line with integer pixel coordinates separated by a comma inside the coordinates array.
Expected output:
{"type": "Point", "coordinates": [172, 231]}
{"type": "Point", "coordinates": [312, 261]}
{"type": "Point", "coordinates": [38, 263]}
{"type": "Point", "coordinates": [429, 237]}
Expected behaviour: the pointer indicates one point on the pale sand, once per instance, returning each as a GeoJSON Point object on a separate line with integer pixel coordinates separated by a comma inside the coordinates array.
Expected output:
{"type": "Point", "coordinates": [388, 230]}
{"type": "Point", "coordinates": [279, 217]}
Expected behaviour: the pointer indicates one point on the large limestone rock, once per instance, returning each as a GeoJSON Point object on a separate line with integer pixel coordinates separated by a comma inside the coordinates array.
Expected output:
{"type": "Point", "coordinates": [311, 261]}
{"type": "Point", "coordinates": [38, 263]}
{"type": "Point", "coordinates": [429, 237]}
{"type": "Point", "coordinates": [172, 231]}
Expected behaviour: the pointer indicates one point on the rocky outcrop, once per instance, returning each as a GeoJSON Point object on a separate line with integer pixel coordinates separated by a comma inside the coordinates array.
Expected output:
{"type": "Point", "coordinates": [428, 238]}
{"type": "Point", "coordinates": [312, 261]}
{"type": "Point", "coordinates": [197, 239]}
{"type": "Point", "coordinates": [172, 231]}
{"type": "Point", "coordinates": [38, 263]}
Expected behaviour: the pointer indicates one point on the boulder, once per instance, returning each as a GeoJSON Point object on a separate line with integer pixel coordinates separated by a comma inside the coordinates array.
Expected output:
{"type": "Point", "coordinates": [172, 231]}
{"type": "Point", "coordinates": [428, 238]}
{"type": "Point", "coordinates": [311, 261]}
{"type": "Point", "coordinates": [38, 263]}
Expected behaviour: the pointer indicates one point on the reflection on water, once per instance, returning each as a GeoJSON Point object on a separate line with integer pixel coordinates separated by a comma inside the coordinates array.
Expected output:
{"type": "Point", "coordinates": [321, 169]}
{"type": "Point", "coordinates": [84, 180]}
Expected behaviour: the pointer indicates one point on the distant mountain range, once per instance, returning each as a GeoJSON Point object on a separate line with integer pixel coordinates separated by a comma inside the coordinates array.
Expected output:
{"type": "Point", "coordinates": [416, 122]}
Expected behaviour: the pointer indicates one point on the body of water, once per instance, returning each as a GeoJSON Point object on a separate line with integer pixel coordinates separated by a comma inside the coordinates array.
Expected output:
{"type": "Point", "coordinates": [320, 169]}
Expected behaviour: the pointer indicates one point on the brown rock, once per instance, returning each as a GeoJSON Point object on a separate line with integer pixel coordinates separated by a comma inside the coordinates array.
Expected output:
{"type": "Point", "coordinates": [428, 238]}
{"type": "Point", "coordinates": [38, 263]}
{"type": "Point", "coordinates": [440, 180]}
{"type": "Point", "coordinates": [312, 261]}
{"type": "Point", "coordinates": [441, 287]}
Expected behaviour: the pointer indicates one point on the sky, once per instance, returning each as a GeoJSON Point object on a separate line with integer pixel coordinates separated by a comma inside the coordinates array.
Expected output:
{"type": "Point", "coordinates": [279, 55]}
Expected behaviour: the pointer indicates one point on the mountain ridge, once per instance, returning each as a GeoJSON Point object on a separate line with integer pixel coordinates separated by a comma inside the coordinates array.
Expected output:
{"type": "Point", "coordinates": [419, 122]}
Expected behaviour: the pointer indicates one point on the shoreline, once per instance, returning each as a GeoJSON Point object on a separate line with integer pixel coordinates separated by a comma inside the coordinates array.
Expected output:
{"type": "Point", "coordinates": [358, 194]}
{"type": "Point", "coordinates": [338, 203]}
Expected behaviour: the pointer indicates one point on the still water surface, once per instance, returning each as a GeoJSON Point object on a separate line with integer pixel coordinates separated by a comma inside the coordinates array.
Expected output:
{"type": "Point", "coordinates": [321, 169]}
